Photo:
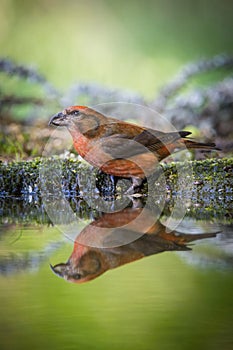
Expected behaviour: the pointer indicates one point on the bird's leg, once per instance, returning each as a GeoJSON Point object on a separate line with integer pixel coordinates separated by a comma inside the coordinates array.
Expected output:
{"type": "Point", "coordinates": [136, 183]}
{"type": "Point", "coordinates": [114, 180]}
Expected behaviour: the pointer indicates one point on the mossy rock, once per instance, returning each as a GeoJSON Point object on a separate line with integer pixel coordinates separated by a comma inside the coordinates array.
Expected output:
{"type": "Point", "coordinates": [203, 187]}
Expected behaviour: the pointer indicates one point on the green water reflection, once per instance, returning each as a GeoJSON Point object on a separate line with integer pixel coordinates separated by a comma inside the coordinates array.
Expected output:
{"type": "Point", "coordinates": [164, 301]}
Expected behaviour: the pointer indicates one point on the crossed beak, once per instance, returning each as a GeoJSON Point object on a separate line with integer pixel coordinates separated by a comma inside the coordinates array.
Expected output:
{"type": "Point", "coordinates": [59, 269]}
{"type": "Point", "coordinates": [58, 119]}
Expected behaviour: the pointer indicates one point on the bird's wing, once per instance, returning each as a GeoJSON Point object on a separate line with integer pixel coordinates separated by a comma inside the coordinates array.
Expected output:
{"type": "Point", "coordinates": [154, 140]}
{"type": "Point", "coordinates": [121, 146]}
{"type": "Point", "coordinates": [148, 140]}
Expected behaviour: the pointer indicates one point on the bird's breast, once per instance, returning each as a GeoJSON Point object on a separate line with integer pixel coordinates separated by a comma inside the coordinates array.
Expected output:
{"type": "Point", "coordinates": [81, 145]}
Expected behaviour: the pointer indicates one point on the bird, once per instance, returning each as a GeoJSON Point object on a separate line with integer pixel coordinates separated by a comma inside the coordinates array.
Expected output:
{"type": "Point", "coordinates": [120, 148]}
{"type": "Point", "coordinates": [107, 251]}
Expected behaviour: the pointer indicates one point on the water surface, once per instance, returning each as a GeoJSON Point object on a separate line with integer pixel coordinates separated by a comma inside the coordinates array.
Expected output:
{"type": "Point", "coordinates": [174, 298]}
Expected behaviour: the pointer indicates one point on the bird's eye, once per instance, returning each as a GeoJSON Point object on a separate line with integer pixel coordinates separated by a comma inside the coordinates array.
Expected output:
{"type": "Point", "coordinates": [76, 112]}
{"type": "Point", "coordinates": [77, 276]}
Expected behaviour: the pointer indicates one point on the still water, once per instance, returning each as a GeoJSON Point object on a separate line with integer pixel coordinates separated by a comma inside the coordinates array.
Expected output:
{"type": "Point", "coordinates": [143, 286]}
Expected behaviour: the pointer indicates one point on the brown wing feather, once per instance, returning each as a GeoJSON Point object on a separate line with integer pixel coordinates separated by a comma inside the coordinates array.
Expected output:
{"type": "Point", "coordinates": [121, 145]}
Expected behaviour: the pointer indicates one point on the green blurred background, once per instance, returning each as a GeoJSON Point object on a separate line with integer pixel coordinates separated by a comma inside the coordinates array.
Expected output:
{"type": "Point", "coordinates": [133, 44]}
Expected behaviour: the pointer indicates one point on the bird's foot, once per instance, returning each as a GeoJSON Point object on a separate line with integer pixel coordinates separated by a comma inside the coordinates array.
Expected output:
{"type": "Point", "coordinates": [135, 195]}
{"type": "Point", "coordinates": [135, 189]}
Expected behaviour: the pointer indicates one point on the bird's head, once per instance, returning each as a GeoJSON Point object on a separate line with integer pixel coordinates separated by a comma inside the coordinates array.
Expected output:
{"type": "Point", "coordinates": [70, 114]}
{"type": "Point", "coordinates": [80, 269]}
{"type": "Point", "coordinates": [79, 119]}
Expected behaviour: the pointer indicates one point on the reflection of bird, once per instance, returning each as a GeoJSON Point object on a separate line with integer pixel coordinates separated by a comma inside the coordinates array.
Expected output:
{"type": "Point", "coordinates": [119, 148]}
{"type": "Point", "coordinates": [87, 263]}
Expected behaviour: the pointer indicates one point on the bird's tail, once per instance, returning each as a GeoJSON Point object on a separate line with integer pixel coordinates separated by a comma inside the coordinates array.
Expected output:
{"type": "Point", "coordinates": [200, 145]}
